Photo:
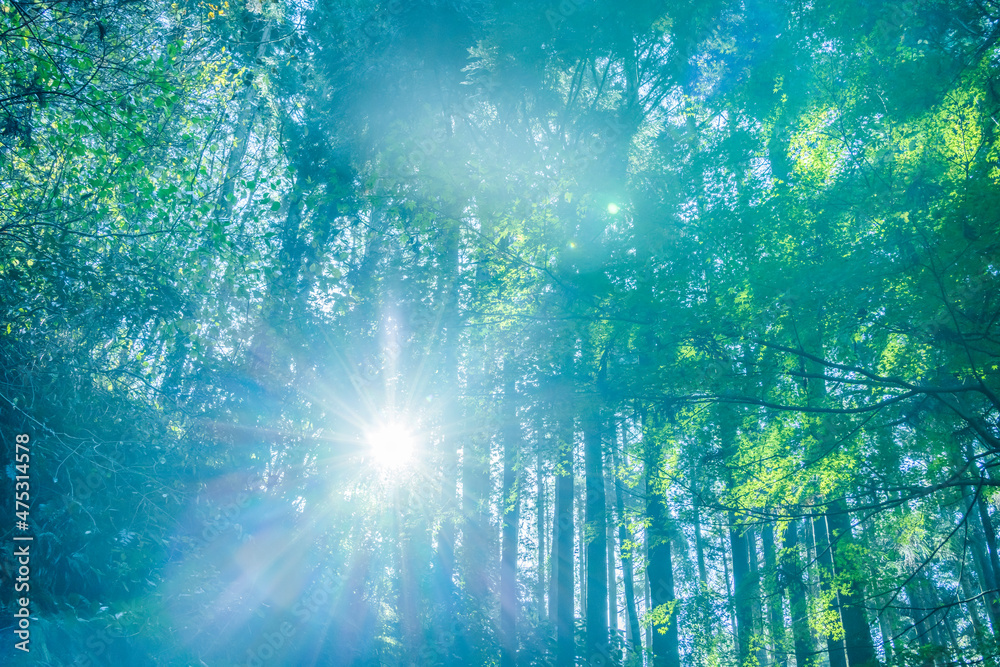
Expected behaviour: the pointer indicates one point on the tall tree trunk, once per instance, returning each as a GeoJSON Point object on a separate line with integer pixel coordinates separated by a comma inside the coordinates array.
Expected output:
{"type": "Point", "coordinates": [755, 600]}
{"type": "Point", "coordinates": [775, 593]}
{"type": "Point", "coordinates": [981, 560]}
{"type": "Point", "coordinates": [885, 627]}
{"type": "Point", "coordinates": [665, 648]}
{"type": "Point", "coordinates": [580, 546]}
{"type": "Point", "coordinates": [922, 639]}
{"type": "Point", "coordinates": [628, 571]}
{"type": "Point", "coordinates": [792, 570]}
{"type": "Point", "coordinates": [730, 598]}
{"type": "Point", "coordinates": [742, 589]}
{"type": "Point", "coordinates": [885, 623]}
{"type": "Point", "coordinates": [940, 621]}
{"type": "Point", "coordinates": [541, 523]}
{"type": "Point", "coordinates": [981, 563]}
{"type": "Point", "coordinates": [699, 547]}
{"type": "Point", "coordinates": [478, 560]}
{"type": "Point", "coordinates": [861, 651]}
{"type": "Point", "coordinates": [953, 643]}
{"type": "Point", "coordinates": [857, 633]}
{"type": "Point", "coordinates": [563, 537]}
{"type": "Point", "coordinates": [449, 442]}
{"type": "Point", "coordinates": [554, 548]}
{"type": "Point", "coordinates": [824, 560]}
{"type": "Point", "coordinates": [993, 595]}
{"type": "Point", "coordinates": [647, 627]}
{"type": "Point", "coordinates": [410, 612]}
{"type": "Point", "coordinates": [596, 540]}
{"type": "Point", "coordinates": [743, 586]}
{"type": "Point", "coordinates": [972, 610]}
{"type": "Point", "coordinates": [510, 504]}
{"type": "Point", "coordinates": [609, 538]}
{"type": "Point", "coordinates": [819, 431]}
{"type": "Point", "coordinates": [351, 610]}
{"type": "Point", "coordinates": [478, 564]}
{"type": "Point", "coordinates": [811, 557]}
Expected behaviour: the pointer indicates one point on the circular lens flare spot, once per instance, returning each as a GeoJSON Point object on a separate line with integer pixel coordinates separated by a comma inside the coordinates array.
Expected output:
{"type": "Point", "coordinates": [391, 445]}
{"type": "Point", "coordinates": [613, 209]}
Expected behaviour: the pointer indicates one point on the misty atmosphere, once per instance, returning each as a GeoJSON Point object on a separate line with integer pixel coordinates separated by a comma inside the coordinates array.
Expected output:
{"type": "Point", "coordinates": [500, 333]}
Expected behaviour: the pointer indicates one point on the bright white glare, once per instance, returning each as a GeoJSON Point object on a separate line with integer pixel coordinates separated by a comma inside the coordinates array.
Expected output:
{"type": "Point", "coordinates": [613, 209]}
{"type": "Point", "coordinates": [391, 445]}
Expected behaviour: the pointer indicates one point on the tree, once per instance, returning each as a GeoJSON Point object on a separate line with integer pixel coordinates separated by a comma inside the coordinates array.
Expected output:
{"type": "Point", "coordinates": [355, 332]}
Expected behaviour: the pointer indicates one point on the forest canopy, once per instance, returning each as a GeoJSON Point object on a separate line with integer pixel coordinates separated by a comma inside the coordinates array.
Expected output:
{"type": "Point", "coordinates": [508, 333]}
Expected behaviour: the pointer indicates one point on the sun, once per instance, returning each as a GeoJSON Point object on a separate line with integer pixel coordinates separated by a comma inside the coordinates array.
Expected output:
{"type": "Point", "coordinates": [390, 445]}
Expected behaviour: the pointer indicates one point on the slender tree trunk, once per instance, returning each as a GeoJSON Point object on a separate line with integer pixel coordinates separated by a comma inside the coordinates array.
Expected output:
{"type": "Point", "coordinates": [972, 610]}
{"type": "Point", "coordinates": [953, 643]}
{"type": "Point", "coordinates": [596, 540]}
{"type": "Point", "coordinates": [884, 619]}
{"type": "Point", "coordinates": [628, 571]}
{"type": "Point", "coordinates": [743, 593]}
{"type": "Point", "coordinates": [775, 593]}
{"type": "Point", "coordinates": [981, 562]}
{"type": "Point", "coordinates": [609, 538]}
{"type": "Point", "coordinates": [857, 632]}
{"type": "Point", "coordinates": [755, 600]}
{"type": "Point", "coordinates": [824, 559]}
{"type": "Point", "coordinates": [580, 548]}
{"type": "Point", "coordinates": [554, 549]}
{"type": "Point", "coordinates": [449, 414]}
{"type": "Point", "coordinates": [742, 589]}
{"type": "Point", "coordinates": [936, 620]}
{"type": "Point", "coordinates": [810, 535]}
{"type": "Point", "coordinates": [351, 610]}
{"type": "Point", "coordinates": [699, 548]}
{"type": "Point", "coordinates": [409, 598]}
{"type": "Point", "coordinates": [510, 511]}
{"type": "Point", "coordinates": [647, 627]}
{"type": "Point", "coordinates": [993, 595]}
{"type": "Point", "coordinates": [477, 540]}
{"type": "Point", "coordinates": [941, 620]}
{"type": "Point", "coordinates": [922, 634]}
{"type": "Point", "coordinates": [563, 537]}
{"type": "Point", "coordinates": [730, 598]}
{"type": "Point", "coordinates": [820, 430]}
{"type": "Point", "coordinates": [885, 627]}
{"type": "Point", "coordinates": [665, 647]}
{"type": "Point", "coordinates": [541, 523]}
{"type": "Point", "coordinates": [792, 570]}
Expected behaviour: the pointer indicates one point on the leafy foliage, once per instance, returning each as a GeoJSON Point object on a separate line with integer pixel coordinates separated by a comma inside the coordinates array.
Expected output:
{"type": "Point", "coordinates": [719, 277]}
